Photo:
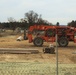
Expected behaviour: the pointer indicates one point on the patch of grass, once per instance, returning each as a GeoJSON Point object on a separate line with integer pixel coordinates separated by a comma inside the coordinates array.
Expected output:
{"type": "Point", "coordinates": [36, 68]}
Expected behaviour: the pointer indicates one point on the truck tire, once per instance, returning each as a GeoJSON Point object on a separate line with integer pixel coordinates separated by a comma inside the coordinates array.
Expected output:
{"type": "Point", "coordinates": [63, 42]}
{"type": "Point", "coordinates": [38, 41]}
{"type": "Point", "coordinates": [50, 32]}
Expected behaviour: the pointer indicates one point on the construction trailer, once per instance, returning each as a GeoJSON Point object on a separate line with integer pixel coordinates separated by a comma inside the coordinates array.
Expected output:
{"type": "Point", "coordinates": [38, 34]}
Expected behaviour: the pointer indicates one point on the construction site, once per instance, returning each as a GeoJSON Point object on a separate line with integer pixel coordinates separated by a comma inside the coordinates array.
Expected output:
{"type": "Point", "coordinates": [34, 50]}
{"type": "Point", "coordinates": [28, 47]}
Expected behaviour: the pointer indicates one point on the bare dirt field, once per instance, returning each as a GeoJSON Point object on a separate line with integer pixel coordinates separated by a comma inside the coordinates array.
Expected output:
{"type": "Point", "coordinates": [66, 54]}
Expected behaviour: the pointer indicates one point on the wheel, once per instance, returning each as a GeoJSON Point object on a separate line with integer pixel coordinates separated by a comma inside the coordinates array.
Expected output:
{"type": "Point", "coordinates": [38, 41]}
{"type": "Point", "coordinates": [63, 42]}
{"type": "Point", "coordinates": [50, 32]}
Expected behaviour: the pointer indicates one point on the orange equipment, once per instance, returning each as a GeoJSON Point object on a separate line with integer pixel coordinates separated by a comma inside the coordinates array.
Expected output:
{"type": "Point", "coordinates": [38, 34]}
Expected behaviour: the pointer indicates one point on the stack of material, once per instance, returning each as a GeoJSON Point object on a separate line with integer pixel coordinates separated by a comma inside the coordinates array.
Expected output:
{"type": "Point", "coordinates": [18, 51]}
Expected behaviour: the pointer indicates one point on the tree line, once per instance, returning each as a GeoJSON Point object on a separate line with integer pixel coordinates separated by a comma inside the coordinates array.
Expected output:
{"type": "Point", "coordinates": [13, 25]}
{"type": "Point", "coordinates": [30, 18]}
{"type": "Point", "coordinates": [72, 23]}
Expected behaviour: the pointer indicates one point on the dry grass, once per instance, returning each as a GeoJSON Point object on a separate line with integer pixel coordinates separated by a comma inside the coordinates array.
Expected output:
{"type": "Point", "coordinates": [65, 53]}
{"type": "Point", "coordinates": [36, 68]}
{"type": "Point", "coordinates": [35, 64]}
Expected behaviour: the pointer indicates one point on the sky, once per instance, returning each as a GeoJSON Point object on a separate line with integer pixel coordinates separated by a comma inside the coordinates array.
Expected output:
{"type": "Point", "coordinates": [62, 11]}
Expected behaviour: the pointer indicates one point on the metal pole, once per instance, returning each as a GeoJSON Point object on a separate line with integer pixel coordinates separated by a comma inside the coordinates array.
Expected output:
{"type": "Point", "coordinates": [56, 55]}
{"type": "Point", "coordinates": [24, 34]}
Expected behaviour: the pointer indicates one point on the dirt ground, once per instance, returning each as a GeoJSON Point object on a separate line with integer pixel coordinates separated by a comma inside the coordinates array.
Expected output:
{"type": "Point", "coordinates": [65, 54]}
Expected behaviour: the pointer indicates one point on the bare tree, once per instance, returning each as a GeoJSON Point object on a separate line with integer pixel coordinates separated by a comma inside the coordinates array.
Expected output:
{"type": "Point", "coordinates": [22, 20]}
{"type": "Point", "coordinates": [11, 19]}
{"type": "Point", "coordinates": [32, 17]}
{"type": "Point", "coordinates": [40, 20]}
{"type": "Point", "coordinates": [11, 23]}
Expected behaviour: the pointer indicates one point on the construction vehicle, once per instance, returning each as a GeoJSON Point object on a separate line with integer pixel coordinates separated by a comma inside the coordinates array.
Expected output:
{"type": "Point", "coordinates": [38, 34]}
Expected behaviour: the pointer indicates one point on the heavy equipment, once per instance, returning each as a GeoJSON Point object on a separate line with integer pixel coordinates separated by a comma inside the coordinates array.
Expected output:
{"type": "Point", "coordinates": [38, 34]}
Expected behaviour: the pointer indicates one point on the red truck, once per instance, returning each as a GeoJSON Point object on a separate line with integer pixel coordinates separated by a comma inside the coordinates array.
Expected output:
{"type": "Point", "coordinates": [38, 34]}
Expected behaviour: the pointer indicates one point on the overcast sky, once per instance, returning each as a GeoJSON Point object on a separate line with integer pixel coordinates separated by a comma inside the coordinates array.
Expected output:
{"type": "Point", "coordinates": [62, 11]}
